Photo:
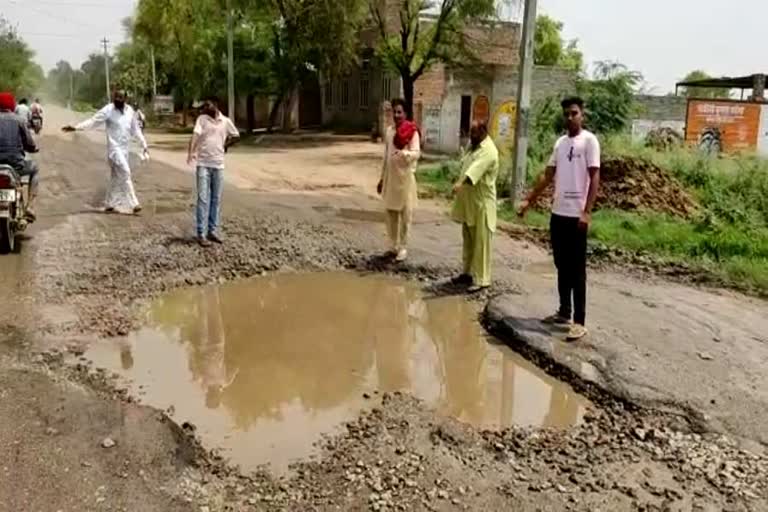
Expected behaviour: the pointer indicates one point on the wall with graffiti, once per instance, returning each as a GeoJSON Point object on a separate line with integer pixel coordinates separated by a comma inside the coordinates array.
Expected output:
{"type": "Point", "coordinates": [723, 125]}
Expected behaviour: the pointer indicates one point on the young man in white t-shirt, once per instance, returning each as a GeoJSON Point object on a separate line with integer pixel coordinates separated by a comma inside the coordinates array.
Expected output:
{"type": "Point", "coordinates": [213, 134]}
{"type": "Point", "coordinates": [575, 168]}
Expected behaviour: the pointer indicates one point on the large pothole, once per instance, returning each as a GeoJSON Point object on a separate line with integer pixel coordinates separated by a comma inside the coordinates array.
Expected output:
{"type": "Point", "coordinates": [265, 367]}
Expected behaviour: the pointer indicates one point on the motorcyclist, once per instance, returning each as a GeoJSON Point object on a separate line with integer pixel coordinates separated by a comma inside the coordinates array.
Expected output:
{"type": "Point", "coordinates": [36, 111]}
{"type": "Point", "coordinates": [140, 117]}
{"type": "Point", "coordinates": [23, 111]}
{"type": "Point", "coordinates": [15, 142]}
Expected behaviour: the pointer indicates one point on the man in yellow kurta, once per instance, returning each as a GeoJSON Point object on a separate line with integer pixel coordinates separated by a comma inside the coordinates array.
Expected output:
{"type": "Point", "coordinates": [475, 207]}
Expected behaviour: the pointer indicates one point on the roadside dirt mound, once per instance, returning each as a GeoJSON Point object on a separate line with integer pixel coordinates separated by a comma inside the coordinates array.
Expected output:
{"type": "Point", "coordinates": [629, 183]}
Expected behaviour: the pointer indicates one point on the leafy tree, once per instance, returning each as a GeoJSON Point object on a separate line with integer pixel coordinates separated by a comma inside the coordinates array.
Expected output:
{"type": "Point", "coordinates": [428, 32]}
{"type": "Point", "coordinates": [18, 73]}
{"type": "Point", "coordinates": [609, 96]}
{"type": "Point", "coordinates": [609, 103]}
{"type": "Point", "coordinates": [308, 37]}
{"type": "Point", "coordinates": [185, 32]}
{"type": "Point", "coordinates": [57, 84]}
{"type": "Point", "coordinates": [91, 85]}
{"type": "Point", "coordinates": [133, 70]}
{"type": "Point", "coordinates": [551, 50]}
{"type": "Point", "coordinates": [278, 44]}
{"type": "Point", "coordinates": [133, 66]}
{"type": "Point", "coordinates": [702, 92]}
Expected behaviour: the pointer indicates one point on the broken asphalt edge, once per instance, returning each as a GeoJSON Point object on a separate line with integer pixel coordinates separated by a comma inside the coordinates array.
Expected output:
{"type": "Point", "coordinates": [592, 378]}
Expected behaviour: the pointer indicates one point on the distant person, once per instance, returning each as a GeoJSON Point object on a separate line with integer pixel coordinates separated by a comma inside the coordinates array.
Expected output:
{"type": "Point", "coordinates": [575, 168]}
{"type": "Point", "coordinates": [397, 185]}
{"type": "Point", "coordinates": [15, 143]}
{"type": "Point", "coordinates": [36, 108]}
{"type": "Point", "coordinates": [23, 111]}
{"type": "Point", "coordinates": [475, 207]}
{"type": "Point", "coordinates": [142, 119]}
{"type": "Point", "coordinates": [36, 113]}
{"type": "Point", "coordinates": [121, 125]}
{"type": "Point", "coordinates": [214, 133]}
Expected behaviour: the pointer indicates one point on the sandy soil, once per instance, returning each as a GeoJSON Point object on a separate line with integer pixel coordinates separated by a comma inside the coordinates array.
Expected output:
{"type": "Point", "coordinates": [83, 275]}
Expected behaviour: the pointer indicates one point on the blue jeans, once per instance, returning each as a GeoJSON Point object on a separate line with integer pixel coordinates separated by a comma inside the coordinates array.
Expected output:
{"type": "Point", "coordinates": [209, 181]}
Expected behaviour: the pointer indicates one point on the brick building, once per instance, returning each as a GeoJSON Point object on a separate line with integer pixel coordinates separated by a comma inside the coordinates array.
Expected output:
{"type": "Point", "coordinates": [445, 99]}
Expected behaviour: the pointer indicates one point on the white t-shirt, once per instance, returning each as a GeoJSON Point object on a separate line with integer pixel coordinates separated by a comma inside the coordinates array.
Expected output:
{"type": "Point", "coordinates": [212, 136]}
{"type": "Point", "coordinates": [23, 111]}
{"type": "Point", "coordinates": [572, 158]}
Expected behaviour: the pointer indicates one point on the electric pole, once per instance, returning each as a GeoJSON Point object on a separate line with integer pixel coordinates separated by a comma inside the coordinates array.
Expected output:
{"type": "Point", "coordinates": [154, 73]}
{"type": "Point", "coordinates": [71, 88]}
{"type": "Point", "coordinates": [518, 177]}
{"type": "Point", "coordinates": [105, 42]}
{"type": "Point", "coordinates": [230, 63]}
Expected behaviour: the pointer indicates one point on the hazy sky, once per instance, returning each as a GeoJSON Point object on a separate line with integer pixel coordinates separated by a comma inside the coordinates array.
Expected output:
{"type": "Point", "coordinates": [663, 39]}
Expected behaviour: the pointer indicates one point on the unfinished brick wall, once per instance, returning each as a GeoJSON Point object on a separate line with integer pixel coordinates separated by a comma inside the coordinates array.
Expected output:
{"type": "Point", "coordinates": [430, 88]}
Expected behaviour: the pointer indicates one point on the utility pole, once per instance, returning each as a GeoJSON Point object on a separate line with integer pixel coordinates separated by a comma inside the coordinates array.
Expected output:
{"type": "Point", "coordinates": [105, 42]}
{"type": "Point", "coordinates": [518, 177]}
{"type": "Point", "coordinates": [154, 73]}
{"type": "Point", "coordinates": [71, 88]}
{"type": "Point", "coordinates": [230, 63]}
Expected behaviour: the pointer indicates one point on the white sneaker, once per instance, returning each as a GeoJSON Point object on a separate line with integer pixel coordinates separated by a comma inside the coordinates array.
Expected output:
{"type": "Point", "coordinates": [402, 254]}
{"type": "Point", "coordinates": [576, 332]}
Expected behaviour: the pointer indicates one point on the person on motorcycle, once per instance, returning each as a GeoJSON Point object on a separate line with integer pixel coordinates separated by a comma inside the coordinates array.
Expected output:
{"type": "Point", "coordinates": [23, 111]}
{"type": "Point", "coordinates": [140, 117]}
{"type": "Point", "coordinates": [36, 111]}
{"type": "Point", "coordinates": [15, 143]}
{"type": "Point", "coordinates": [36, 108]}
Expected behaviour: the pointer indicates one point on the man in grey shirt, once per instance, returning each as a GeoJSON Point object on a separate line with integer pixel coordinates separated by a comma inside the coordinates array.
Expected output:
{"type": "Point", "coordinates": [15, 143]}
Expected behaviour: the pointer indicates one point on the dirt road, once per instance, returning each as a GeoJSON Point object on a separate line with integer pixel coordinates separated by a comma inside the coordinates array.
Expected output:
{"type": "Point", "coordinates": [674, 408]}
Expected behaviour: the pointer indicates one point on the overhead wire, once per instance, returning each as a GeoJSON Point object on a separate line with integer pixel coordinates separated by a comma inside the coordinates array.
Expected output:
{"type": "Point", "coordinates": [52, 15]}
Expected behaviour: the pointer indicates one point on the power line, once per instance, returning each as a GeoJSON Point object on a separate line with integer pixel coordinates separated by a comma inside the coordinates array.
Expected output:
{"type": "Point", "coordinates": [45, 34]}
{"type": "Point", "coordinates": [76, 4]}
{"type": "Point", "coordinates": [53, 16]}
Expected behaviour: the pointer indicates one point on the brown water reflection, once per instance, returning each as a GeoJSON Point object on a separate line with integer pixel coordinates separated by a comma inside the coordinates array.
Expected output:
{"type": "Point", "coordinates": [265, 367]}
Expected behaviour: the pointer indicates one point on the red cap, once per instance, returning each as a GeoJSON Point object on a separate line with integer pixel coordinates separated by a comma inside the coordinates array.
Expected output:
{"type": "Point", "coordinates": [7, 101]}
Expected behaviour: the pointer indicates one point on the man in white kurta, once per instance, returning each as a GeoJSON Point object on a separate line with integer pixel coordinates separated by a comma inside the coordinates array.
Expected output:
{"type": "Point", "coordinates": [121, 124]}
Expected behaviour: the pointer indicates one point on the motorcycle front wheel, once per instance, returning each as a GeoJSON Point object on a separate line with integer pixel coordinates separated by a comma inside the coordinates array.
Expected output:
{"type": "Point", "coordinates": [7, 237]}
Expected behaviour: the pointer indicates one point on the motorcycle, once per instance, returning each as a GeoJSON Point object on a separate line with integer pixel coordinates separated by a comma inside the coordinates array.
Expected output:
{"type": "Point", "coordinates": [36, 123]}
{"type": "Point", "coordinates": [12, 208]}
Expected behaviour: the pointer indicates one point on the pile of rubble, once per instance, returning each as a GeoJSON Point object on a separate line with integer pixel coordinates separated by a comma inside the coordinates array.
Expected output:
{"type": "Point", "coordinates": [664, 139]}
{"type": "Point", "coordinates": [630, 183]}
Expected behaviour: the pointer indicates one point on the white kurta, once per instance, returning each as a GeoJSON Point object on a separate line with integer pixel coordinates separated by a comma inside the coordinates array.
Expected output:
{"type": "Point", "coordinates": [120, 127]}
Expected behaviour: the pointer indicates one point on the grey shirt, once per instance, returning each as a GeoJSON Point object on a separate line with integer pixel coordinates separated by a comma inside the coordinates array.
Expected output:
{"type": "Point", "coordinates": [15, 140]}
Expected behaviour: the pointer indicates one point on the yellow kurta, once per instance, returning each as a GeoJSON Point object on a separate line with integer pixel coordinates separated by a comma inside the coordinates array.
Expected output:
{"type": "Point", "coordinates": [475, 209]}
{"type": "Point", "coordinates": [398, 177]}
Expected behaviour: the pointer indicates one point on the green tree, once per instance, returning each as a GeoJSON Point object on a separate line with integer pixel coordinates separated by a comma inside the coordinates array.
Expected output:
{"type": "Point", "coordinates": [184, 33]}
{"type": "Point", "coordinates": [18, 72]}
{"type": "Point", "coordinates": [91, 86]}
{"type": "Point", "coordinates": [609, 96]}
{"type": "Point", "coordinates": [133, 70]}
{"type": "Point", "coordinates": [57, 83]}
{"type": "Point", "coordinates": [702, 92]}
{"type": "Point", "coordinates": [550, 49]}
{"type": "Point", "coordinates": [427, 33]}
{"type": "Point", "coordinates": [133, 64]}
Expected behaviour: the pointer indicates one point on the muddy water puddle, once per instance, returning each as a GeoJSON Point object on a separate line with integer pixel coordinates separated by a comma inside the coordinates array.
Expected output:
{"type": "Point", "coordinates": [265, 367]}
